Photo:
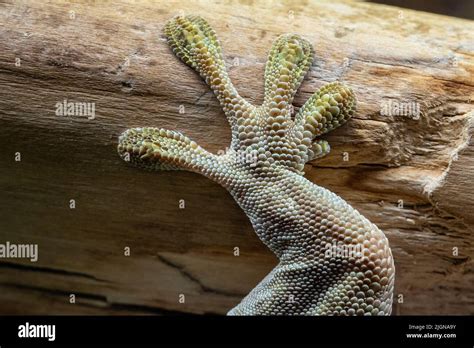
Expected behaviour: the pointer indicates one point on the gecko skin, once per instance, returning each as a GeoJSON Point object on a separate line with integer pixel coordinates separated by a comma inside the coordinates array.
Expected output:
{"type": "Point", "coordinates": [302, 223]}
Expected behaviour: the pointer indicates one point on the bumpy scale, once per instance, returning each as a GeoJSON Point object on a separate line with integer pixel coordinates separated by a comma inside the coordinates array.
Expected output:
{"type": "Point", "coordinates": [306, 226]}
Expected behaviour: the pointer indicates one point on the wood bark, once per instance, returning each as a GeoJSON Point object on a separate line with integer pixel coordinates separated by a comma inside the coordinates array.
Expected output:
{"type": "Point", "coordinates": [412, 176]}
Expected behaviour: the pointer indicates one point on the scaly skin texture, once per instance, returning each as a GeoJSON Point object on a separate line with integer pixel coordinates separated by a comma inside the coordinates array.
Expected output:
{"type": "Point", "coordinates": [333, 261]}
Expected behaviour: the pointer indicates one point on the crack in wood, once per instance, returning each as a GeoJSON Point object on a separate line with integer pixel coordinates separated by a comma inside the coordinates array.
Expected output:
{"type": "Point", "coordinates": [192, 278]}
{"type": "Point", "coordinates": [23, 267]}
{"type": "Point", "coordinates": [97, 298]}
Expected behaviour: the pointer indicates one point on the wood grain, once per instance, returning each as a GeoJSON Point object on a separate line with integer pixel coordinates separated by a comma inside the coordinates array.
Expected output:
{"type": "Point", "coordinates": [412, 177]}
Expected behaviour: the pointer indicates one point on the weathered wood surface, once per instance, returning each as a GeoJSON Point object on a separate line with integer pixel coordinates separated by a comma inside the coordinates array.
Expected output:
{"type": "Point", "coordinates": [115, 55]}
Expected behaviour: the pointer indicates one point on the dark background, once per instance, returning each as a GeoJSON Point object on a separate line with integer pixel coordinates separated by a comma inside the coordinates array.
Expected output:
{"type": "Point", "coordinates": [456, 8]}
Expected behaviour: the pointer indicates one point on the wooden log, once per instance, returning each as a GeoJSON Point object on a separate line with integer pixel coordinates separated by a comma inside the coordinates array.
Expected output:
{"type": "Point", "coordinates": [405, 161]}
